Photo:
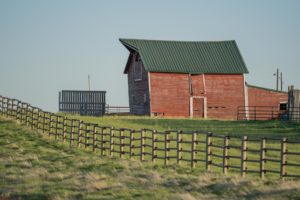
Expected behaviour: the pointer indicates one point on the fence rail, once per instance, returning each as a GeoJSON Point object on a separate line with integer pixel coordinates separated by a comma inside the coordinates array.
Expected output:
{"type": "Point", "coordinates": [117, 110]}
{"type": "Point", "coordinates": [267, 113]}
{"type": "Point", "coordinates": [195, 148]}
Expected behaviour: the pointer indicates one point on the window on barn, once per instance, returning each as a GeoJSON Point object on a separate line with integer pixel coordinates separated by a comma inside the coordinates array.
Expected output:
{"type": "Point", "coordinates": [138, 69]}
{"type": "Point", "coordinates": [283, 106]}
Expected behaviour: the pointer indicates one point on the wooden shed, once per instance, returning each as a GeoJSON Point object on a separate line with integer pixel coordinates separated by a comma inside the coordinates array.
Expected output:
{"type": "Point", "coordinates": [185, 79]}
{"type": "Point", "coordinates": [91, 103]}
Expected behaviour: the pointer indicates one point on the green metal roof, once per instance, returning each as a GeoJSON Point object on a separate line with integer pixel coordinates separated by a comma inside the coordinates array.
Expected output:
{"type": "Point", "coordinates": [210, 57]}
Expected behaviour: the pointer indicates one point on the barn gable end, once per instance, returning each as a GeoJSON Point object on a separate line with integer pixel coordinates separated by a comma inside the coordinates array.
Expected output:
{"type": "Point", "coordinates": [138, 89]}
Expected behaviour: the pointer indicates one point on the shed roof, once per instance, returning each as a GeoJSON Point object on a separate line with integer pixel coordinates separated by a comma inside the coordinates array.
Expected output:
{"type": "Point", "coordinates": [264, 88]}
{"type": "Point", "coordinates": [194, 57]}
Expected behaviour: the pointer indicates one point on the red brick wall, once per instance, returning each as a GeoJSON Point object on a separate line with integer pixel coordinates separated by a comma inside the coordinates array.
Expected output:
{"type": "Point", "coordinates": [224, 94]}
{"type": "Point", "coordinates": [264, 97]}
{"type": "Point", "coordinates": [169, 94]}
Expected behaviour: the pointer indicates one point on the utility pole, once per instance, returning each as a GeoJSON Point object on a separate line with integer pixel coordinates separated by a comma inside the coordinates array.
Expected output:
{"type": "Point", "coordinates": [281, 81]}
{"type": "Point", "coordinates": [89, 82]}
{"type": "Point", "coordinates": [278, 76]}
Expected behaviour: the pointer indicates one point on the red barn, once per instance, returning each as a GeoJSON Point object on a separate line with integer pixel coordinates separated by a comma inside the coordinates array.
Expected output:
{"type": "Point", "coordinates": [186, 79]}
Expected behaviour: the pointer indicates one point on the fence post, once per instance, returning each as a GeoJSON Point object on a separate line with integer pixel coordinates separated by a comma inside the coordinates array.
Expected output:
{"type": "Point", "coordinates": [6, 106]}
{"type": "Point", "coordinates": [21, 114]}
{"type": "Point", "coordinates": [56, 126]}
{"type": "Point", "coordinates": [80, 132]}
{"type": "Point", "coordinates": [225, 154]}
{"type": "Point", "coordinates": [32, 117]}
{"type": "Point", "coordinates": [44, 121]}
{"type": "Point", "coordinates": [38, 120]}
{"type": "Point", "coordinates": [166, 147]}
{"type": "Point", "coordinates": [130, 144]}
{"type": "Point", "coordinates": [263, 158]}
{"type": "Point", "coordinates": [94, 137]}
{"type": "Point", "coordinates": [121, 143]}
{"type": "Point", "coordinates": [17, 110]}
{"type": "Point", "coordinates": [283, 158]}
{"type": "Point", "coordinates": [51, 124]}
{"type": "Point", "coordinates": [142, 145]}
{"type": "Point", "coordinates": [27, 115]}
{"type": "Point", "coordinates": [208, 150]}
{"type": "Point", "coordinates": [111, 142]}
{"type": "Point", "coordinates": [244, 156]}
{"type": "Point", "coordinates": [102, 141]}
{"type": "Point", "coordinates": [154, 145]}
{"type": "Point", "coordinates": [12, 108]}
{"type": "Point", "coordinates": [179, 146]}
{"type": "Point", "coordinates": [64, 129]}
{"type": "Point", "coordinates": [86, 135]}
{"type": "Point", "coordinates": [71, 132]}
{"type": "Point", "coordinates": [48, 124]}
{"type": "Point", "coordinates": [194, 140]}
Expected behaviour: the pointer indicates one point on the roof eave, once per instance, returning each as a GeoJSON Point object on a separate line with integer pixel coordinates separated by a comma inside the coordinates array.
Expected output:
{"type": "Point", "coordinates": [128, 46]}
{"type": "Point", "coordinates": [127, 64]}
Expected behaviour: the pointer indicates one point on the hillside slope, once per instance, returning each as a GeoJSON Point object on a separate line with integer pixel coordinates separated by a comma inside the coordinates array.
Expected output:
{"type": "Point", "coordinates": [32, 166]}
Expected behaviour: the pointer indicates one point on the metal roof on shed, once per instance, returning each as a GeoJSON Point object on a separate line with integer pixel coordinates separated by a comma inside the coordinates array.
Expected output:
{"type": "Point", "coordinates": [211, 57]}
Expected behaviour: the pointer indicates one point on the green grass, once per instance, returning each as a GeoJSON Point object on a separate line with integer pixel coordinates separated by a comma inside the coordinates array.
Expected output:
{"type": "Point", "coordinates": [258, 129]}
{"type": "Point", "coordinates": [252, 129]}
{"type": "Point", "coordinates": [32, 166]}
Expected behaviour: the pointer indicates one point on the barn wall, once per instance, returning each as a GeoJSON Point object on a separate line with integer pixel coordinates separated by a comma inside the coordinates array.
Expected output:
{"type": "Point", "coordinates": [169, 94]}
{"type": "Point", "coordinates": [265, 97]}
{"type": "Point", "coordinates": [224, 92]}
{"type": "Point", "coordinates": [138, 91]}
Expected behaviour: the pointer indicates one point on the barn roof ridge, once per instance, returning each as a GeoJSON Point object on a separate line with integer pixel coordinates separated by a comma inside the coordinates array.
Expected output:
{"type": "Point", "coordinates": [179, 41]}
{"type": "Point", "coordinates": [196, 57]}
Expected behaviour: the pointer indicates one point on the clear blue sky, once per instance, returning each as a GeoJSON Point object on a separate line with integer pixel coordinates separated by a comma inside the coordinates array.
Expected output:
{"type": "Point", "coordinates": [47, 46]}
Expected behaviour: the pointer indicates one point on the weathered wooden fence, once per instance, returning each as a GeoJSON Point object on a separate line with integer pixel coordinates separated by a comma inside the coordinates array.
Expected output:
{"type": "Point", "coordinates": [195, 148]}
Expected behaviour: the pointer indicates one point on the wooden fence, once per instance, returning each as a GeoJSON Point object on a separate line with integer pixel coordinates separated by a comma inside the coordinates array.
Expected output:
{"type": "Point", "coordinates": [195, 148]}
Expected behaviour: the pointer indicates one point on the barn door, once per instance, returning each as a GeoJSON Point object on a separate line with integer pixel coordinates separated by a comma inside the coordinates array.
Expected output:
{"type": "Point", "coordinates": [198, 107]}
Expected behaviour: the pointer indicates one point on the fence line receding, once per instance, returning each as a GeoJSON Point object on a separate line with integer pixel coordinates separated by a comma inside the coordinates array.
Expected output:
{"type": "Point", "coordinates": [213, 152]}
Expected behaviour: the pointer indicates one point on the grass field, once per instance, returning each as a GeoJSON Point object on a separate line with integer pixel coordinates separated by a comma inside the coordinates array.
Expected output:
{"type": "Point", "coordinates": [236, 129]}
{"type": "Point", "coordinates": [259, 129]}
{"type": "Point", "coordinates": [32, 166]}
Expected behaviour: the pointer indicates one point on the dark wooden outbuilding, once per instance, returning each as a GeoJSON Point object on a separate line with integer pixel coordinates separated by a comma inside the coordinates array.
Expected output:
{"type": "Point", "coordinates": [90, 103]}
